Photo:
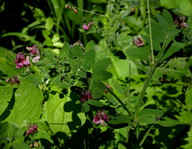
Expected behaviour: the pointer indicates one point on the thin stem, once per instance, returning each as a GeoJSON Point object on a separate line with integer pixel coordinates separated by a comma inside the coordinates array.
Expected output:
{"type": "Point", "coordinates": [150, 34]}
{"type": "Point", "coordinates": [119, 100]}
{"type": "Point", "coordinates": [152, 69]}
{"type": "Point", "coordinates": [145, 136]}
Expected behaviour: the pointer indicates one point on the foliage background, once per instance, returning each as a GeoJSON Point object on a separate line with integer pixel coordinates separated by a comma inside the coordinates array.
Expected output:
{"type": "Point", "coordinates": [156, 114]}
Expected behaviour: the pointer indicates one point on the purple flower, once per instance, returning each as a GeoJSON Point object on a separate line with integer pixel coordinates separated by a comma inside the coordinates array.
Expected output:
{"type": "Point", "coordinates": [101, 118]}
{"type": "Point", "coordinates": [85, 96]}
{"type": "Point", "coordinates": [32, 129]}
{"type": "Point", "coordinates": [138, 42]}
{"type": "Point", "coordinates": [34, 52]}
{"type": "Point", "coordinates": [22, 60]}
{"type": "Point", "coordinates": [13, 80]}
{"type": "Point", "coordinates": [87, 27]}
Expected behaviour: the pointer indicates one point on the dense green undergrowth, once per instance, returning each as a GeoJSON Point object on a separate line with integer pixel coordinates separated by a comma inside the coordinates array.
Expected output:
{"type": "Point", "coordinates": [105, 74]}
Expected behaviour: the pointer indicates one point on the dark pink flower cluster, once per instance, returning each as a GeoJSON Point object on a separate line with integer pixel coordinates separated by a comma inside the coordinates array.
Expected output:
{"type": "Point", "coordinates": [101, 118]}
{"type": "Point", "coordinates": [180, 22]}
{"type": "Point", "coordinates": [34, 52]}
{"type": "Point", "coordinates": [87, 27]}
{"type": "Point", "coordinates": [138, 42]}
{"type": "Point", "coordinates": [85, 96]}
{"type": "Point", "coordinates": [32, 129]}
{"type": "Point", "coordinates": [13, 80]}
{"type": "Point", "coordinates": [22, 60]}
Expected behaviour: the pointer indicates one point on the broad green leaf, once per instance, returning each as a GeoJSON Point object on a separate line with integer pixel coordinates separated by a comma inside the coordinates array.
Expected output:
{"type": "Point", "coordinates": [148, 116]}
{"type": "Point", "coordinates": [120, 119]}
{"type": "Point", "coordinates": [121, 67]}
{"type": "Point", "coordinates": [6, 95]}
{"type": "Point", "coordinates": [8, 130]}
{"type": "Point", "coordinates": [167, 122]}
{"type": "Point", "coordinates": [168, 17]}
{"type": "Point", "coordinates": [55, 38]}
{"type": "Point", "coordinates": [27, 104]}
{"type": "Point", "coordinates": [142, 53]}
{"type": "Point", "coordinates": [97, 89]}
{"type": "Point", "coordinates": [75, 52]}
{"type": "Point", "coordinates": [58, 44]}
{"type": "Point", "coordinates": [63, 114]}
{"type": "Point", "coordinates": [188, 99]}
{"type": "Point", "coordinates": [49, 23]}
{"type": "Point", "coordinates": [90, 46]}
{"type": "Point", "coordinates": [99, 70]}
{"type": "Point", "coordinates": [7, 65]}
{"type": "Point", "coordinates": [95, 103]}
{"type": "Point", "coordinates": [185, 7]}
{"type": "Point", "coordinates": [88, 60]}
{"type": "Point", "coordinates": [170, 4]}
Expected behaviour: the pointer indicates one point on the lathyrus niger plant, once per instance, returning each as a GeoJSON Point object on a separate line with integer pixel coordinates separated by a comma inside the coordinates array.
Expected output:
{"type": "Point", "coordinates": [126, 83]}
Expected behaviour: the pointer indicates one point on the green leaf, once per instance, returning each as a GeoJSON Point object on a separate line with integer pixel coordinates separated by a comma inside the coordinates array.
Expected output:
{"type": "Point", "coordinates": [63, 114]}
{"type": "Point", "coordinates": [95, 103]}
{"type": "Point", "coordinates": [27, 104]}
{"type": "Point", "coordinates": [75, 52]}
{"type": "Point", "coordinates": [88, 60]}
{"type": "Point", "coordinates": [142, 53]}
{"type": "Point", "coordinates": [188, 99]}
{"type": "Point", "coordinates": [175, 47]}
{"type": "Point", "coordinates": [49, 23]}
{"type": "Point", "coordinates": [97, 89]}
{"type": "Point", "coordinates": [6, 95]}
{"type": "Point", "coordinates": [90, 46]}
{"type": "Point", "coordinates": [7, 65]}
{"type": "Point", "coordinates": [167, 122]}
{"type": "Point", "coordinates": [170, 4]}
{"type": "Point", "coordinates": [185, 117]}
{"type": "Point", "coordinates": [148, 116]}
{"type": "Point", "coordinates": [99, 70]}
{"type": "Point", "coordinates": [120, 119]}
{"type": "Point", "coordinates": [58, 44]}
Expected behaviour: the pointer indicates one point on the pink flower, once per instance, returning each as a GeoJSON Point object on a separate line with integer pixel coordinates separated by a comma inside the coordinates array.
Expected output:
{"type": "Point", "coordinates": [101, 118]}
{"type": "Point", "coordinates": [85, 96]}
{"type": "Point", "coordinates": [13, 80]}
{"type": "Point", "coordinates": [32, 129]}
{"type": "Point", "coordinates": [138, 42]}
{"type": "Point", "coordinates": [34, 52]}
{"type": "Point", "coordinates": [22, 60]}
{"type": "Point", "coordinates": [87, 27]}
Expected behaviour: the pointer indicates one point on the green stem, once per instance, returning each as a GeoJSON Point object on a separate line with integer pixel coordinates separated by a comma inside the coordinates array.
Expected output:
{"type": "Point", "coordinates": [152, 69]}
{"type": "Point", "coordinates": [150, 34]}
{"type": "Point", "coordinates": [145, 136]}
{"type": "Point", "coordinates": [119, 100]}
